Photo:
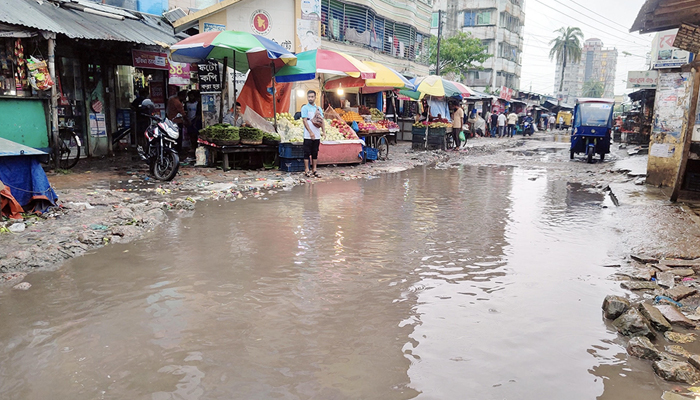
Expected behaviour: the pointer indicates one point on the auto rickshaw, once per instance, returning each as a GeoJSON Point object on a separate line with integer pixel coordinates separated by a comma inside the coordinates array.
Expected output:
{"type": "Point", "coordinates": [592, 127]}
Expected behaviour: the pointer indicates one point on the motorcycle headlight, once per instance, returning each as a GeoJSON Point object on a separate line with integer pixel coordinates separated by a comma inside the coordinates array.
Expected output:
{"type": "Point", "coordinates": [171, 130]}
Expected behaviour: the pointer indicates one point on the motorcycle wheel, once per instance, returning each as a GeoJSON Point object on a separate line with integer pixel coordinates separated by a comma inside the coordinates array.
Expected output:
{"type": "Point", "coordinates": [165, 168]}
{"type": "Point", "coordinates": [590, 156]}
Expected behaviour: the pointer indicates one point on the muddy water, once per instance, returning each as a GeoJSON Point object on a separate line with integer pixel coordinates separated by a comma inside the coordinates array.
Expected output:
{"type": "Point", "coordinates": [466, 283]}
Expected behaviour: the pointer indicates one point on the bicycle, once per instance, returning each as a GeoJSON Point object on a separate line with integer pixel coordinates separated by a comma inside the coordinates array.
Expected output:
{"type": "Point", "coordinates": [69, 149]}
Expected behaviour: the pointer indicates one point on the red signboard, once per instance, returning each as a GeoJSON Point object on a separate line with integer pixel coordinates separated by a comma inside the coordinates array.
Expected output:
{"type": "Point", "coordinates": [506, 93]}
{"type": "Point", "coordinates": [149, 59]}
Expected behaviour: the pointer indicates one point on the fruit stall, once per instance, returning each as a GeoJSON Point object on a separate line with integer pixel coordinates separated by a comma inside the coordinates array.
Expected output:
{"type": "Point", "coordinates": [430, 135]}
{"type": "Point", "coordinates": [374, 129]}
{"type": "Point", "coordinates": [341, 144]}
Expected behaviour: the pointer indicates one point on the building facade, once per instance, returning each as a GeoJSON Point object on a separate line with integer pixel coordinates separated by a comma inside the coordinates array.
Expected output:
{"type": "Point", "coordinates": [593, 76]}
{"type": "Point", "coordinates": [499, 25]}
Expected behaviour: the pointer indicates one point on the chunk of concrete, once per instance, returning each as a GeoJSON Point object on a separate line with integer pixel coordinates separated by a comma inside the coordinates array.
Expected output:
{"type": "Point", "coordinates": [656, 319]}
{"type": "Point", "coordinates": [666, 279]}
{"type": "Point", "coordinates": [644, 259]}
{"type": "Point", "coordinates": [677, 371]}
{"type": "Point", "coordinates": [680, 292]}
{"type": "Point", "coordinates": [677, 337]}
{"type": "Point", "coordinates": [683, 272]}
{"type": "Point", "coordinates": [614, 306]}
{"type": "Point", "coordinates": [694, 360]}
{"type": "Point", "coordinates": [639, 285]}
{"type": "Point", "coordinates": [641, 347]}
{"type": "Point", "coordinates": [677, 350]}
{"type": "Point", "coordinates": [632, 323]}
{"type": "Point", "coordinates": [639, 273]}
{"type": "Point", "coordinates": [681, 263]}
{"type": "Point", "coordinates": [675, 316]}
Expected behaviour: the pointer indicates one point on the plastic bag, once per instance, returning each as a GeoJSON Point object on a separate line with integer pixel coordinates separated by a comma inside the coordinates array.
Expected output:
{"type": "Point", "coordinates": [256, 121]}
{"type": "Point", "coordinates": [355, 127]}
{"type": "Point", "coordinates": [39, 76]}
{"type": "Point", "coordinates": [331, 114]}
{"type": "Point", "coordinates": [462, 137]}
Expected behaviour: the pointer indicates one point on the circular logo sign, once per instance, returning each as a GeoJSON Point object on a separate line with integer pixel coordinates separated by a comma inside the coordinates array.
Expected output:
{"type": "Point", "coordinates": [260, 22]}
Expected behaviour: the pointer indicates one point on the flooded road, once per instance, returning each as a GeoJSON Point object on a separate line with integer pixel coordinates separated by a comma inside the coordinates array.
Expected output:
{"type": "Point", "coordinates": [465, 283]}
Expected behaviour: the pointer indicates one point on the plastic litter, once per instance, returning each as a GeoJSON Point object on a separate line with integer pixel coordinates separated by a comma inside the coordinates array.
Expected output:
{"type": "Point", "coordinates": [659, 299]}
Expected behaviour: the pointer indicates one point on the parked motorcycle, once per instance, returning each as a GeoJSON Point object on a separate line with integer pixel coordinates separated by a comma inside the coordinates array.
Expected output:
{"type": "Point", "coordinates": [527, 128]}
{"type": "Point", "coordinates": [160, 154]}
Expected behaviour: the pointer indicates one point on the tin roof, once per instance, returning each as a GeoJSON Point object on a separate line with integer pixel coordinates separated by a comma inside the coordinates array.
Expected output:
{"type": "Point", "coordinates": [80, 19]}
{"type": "Point", "coordinates": [10, 148]}
{"type": "Point", "coordinates": [659, 15]}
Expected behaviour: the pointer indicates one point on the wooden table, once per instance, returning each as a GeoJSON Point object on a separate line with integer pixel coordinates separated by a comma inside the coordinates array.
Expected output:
{"type": "Point", "coordinates": [240, 148]}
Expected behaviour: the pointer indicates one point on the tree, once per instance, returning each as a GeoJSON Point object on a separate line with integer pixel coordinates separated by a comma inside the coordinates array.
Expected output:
{"type": "Point", "coordinates": [593, 88]}
{"type": "Point", "coordinates": [566, 47]}
{"type": "Point", "coordinates": [458, 54]}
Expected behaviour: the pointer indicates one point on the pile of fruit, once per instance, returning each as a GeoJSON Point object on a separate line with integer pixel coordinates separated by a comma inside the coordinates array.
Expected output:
{"type": "Point", "coordinates": [352, 116]}
{"type": "Point", "coordinates": [345, 131]}
{"type": "Point", "coordinates": [287, 116]}
{"type": "Point", "coordinates": [290, 130]}
{"type": "Point", "coordinates": [367, 126]}
{"type": "Point", "coordinates": [439, 125]}
{"type": "Point", "coordinates": [388, 124]}
{"type": "Point", "coordinates": [363, 110]}
{"type": "Point", "coordinates": [340, 111]}
{"type": "Point", "coordinates": [376, 114]}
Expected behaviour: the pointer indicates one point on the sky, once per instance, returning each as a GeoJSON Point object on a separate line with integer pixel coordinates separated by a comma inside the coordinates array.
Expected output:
{"type": "Point", "coordinates": [607, 20]}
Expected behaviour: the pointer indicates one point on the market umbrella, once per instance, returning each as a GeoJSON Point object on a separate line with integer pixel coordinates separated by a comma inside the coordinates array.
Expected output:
{"type": "Point", "coordinates": [386, 79]}
{"type": "Point", "coordinates": [465, 90]}
{"type": "Point", "coordinates": [433, 85]}
{"type": "Point", "coordinates": [243, 50]}
{"type": "Point", "coordinates": [314, 64]}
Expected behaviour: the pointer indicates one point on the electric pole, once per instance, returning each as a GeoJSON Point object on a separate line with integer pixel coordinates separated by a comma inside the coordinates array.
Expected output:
{"type": "Point", "coordinates": [439, 35]}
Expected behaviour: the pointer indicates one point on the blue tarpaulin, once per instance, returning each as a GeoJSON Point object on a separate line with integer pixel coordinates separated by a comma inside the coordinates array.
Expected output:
{"type": "Point", "coordinates": [27, 182]}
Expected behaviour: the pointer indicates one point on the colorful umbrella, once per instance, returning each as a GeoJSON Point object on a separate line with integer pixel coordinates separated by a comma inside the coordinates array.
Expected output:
{"type": "Point", "coordinates": [435, 86]}
{"type": "Point", "coordinates": [248, 50]}
{"type": "Point", "coordinates": [312, 63]}
{"type": "Point", "coordinates": [465, 90]}
{"type": "Point", "coordinates": [386, 79]}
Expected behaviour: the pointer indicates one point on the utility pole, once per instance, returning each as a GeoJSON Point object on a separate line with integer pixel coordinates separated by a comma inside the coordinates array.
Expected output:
{"type": "Point", "coordinates": [437, 57]}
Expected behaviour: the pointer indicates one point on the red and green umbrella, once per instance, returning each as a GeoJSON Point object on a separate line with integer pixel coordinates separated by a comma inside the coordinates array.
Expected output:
{"type": "Point", "coordinates": [314, 63]}
{"type": "Point", "coordinates": [248, 50]}
{"type": "Point", "coordinates": [436, 86]}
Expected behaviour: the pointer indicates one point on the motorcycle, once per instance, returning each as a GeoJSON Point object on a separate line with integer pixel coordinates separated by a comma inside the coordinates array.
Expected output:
{"type": "Point", "coordinates": [160, 154]}
{"type": "Point", "coordinates": [527, 128]}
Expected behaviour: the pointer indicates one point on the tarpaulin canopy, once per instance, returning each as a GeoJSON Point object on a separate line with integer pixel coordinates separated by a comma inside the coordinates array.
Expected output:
{"type": "Point", "coordinates": [257, 93]}
{"type": "Point", "coordinates": [27, 182]}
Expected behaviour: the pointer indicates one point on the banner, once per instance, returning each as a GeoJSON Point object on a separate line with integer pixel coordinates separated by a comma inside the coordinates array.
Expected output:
{"type": "Point", "coordinates": [209, 77]}
{"type": "Point", "coordinates": [149, 59]}
{"type": "Point", "coordinates": [642, 79]}
{"type": "Point", "coordinates": [664, 55]}
{"type": "Point", "coordinates": [179, 74]}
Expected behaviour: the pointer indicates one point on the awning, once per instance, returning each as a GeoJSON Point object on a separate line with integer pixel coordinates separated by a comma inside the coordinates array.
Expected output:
{"type": "Point", "coordinates": [659, 15]}
{"type": "Point", "coordinates": [80, 19]}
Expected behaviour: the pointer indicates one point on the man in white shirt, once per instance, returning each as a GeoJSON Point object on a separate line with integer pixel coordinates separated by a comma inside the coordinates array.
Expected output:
{"type": "Point", "coordinates": [501, 124]}
{"type": "Point", "coordinates": [312, 132]}
{"type": "Point", "coordinates": [512, 120]}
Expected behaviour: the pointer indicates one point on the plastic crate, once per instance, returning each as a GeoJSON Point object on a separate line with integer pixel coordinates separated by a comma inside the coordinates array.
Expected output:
{"type": "Point", "coordinates": [436, 143]}
{"type": "Point", "coordinates": [371, 154]}
{"type": "Point", "coordinates": [418, 131]}
{"type": "Point", "coordinates": [418, 138]}
{"type": "Point", "coordinates": [437, 131]}
{"type": "Point", "coordinates": [291, 164]}
{"type": "Point", "coordinates": [289, 150]}
{"type": "Point", "coordinates": [692, 181]}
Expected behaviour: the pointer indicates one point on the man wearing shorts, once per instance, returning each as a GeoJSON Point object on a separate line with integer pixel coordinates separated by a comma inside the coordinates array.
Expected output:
{"type": "Point", "coordinates": [312, 133]}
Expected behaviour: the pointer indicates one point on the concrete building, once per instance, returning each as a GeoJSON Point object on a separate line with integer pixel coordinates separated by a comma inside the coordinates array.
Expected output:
{"type": "Point", "coordinates": [499, 25]}
{"type": "Point", "coordinates": [597, 64]}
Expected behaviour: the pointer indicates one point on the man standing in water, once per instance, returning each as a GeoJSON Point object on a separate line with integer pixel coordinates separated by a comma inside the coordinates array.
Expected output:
{"type": "Point", "coordinates": [314, 124]}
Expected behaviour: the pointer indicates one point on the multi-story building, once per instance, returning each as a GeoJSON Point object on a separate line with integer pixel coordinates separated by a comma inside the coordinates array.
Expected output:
{"type": "Point", "coordinates": [594, 72]}
{"type": "Point", "coordinates": [499, 25]}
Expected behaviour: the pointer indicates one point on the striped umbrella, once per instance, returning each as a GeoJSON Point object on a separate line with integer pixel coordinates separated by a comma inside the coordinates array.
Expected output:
{"type": "Point", "coordinates": [314, 63]}
{"type": "Point", "coordinates": [244, 50]}
{"type": "Point", "coordinates": [387, 79]}
{"type": "Point", "coordinates": [435, 86]}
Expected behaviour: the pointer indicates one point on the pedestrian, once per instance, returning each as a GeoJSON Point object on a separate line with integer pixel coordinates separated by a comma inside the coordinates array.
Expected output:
{"type": "Point", "coordinates": [551, 122]}
{"type": "Point", "coordinates": [494, 123]}
{"type": "Point", "coordinates": [479, 125]}
{"type": "Point", "coordinates": [561, 122]}
{"type": "Point", "coordinates": [545, 123]}
{"type": "Point", "coordinates": [314, 124]}
{"type": "Point", "coordinates": [457, 123]}
{"type": "Point", "coordinates": [194, 114]}
{"type": "Point", "coordinates": [512, 120]}
{"type": "Point", "coordinates": [501, 124]}
{"type": "Point", "coordinates": [487, 119]}
{"type": "Point", "coordinates": [142, 106]}
{"type": "Point", "coordinates": [175, 111]}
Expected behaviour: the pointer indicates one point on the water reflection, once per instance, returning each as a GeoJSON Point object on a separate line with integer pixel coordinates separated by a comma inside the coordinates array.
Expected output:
{"type": "Point", "coordinates": [469, 282]}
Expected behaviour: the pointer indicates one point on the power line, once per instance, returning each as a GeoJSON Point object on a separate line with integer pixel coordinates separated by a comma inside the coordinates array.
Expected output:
{"type": "Point", "coordinates": [616, 29]}
{"type": "Point", "coordinates": [602, 16]}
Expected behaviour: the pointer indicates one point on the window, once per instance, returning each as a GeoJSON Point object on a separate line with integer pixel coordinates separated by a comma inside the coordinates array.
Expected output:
{"type": "Point", "coordinates": [510, 22]}
{"type": "Point", "coordinates": [477, 17]}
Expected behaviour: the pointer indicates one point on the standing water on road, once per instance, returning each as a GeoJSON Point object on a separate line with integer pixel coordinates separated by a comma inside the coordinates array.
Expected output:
{"type": "Point", "coordinates": [465, 283]}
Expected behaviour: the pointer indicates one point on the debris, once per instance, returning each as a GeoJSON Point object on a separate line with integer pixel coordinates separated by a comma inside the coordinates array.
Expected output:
{"type": "Point", "coordinates": [680, 292]}
{"type": "Point", "coordinates": [17, 227]}
{"type": "Point", "coordinates": [676, 337]}
{"type": "Point", "coordinates": [614, 306]}
{"type": "Point", "coordinates": [675, 396]}
{"type": "Point", "coordinates": [641, 347]}
{"type": "Point", "coordinates": [667, 300]}
{"type": "Point", "coordinates": [22, 286]}
{"type": "Point", "coordinates": [656, 319]}
{"type": "Point", "coordinates": [632, 323]}
{"type": "Point", "coordinates": [677, 350]}
{"type": "Point", "coordinates": [644, 259]}
{"type": "Point", "coordinates": [637, 285]}
{"type": "Point", "coordinates": [666, 279]}
{"type": "Point", "coordinates": [674, 316]}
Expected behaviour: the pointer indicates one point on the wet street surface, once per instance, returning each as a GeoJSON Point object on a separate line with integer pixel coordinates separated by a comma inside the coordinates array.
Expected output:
{"type": "Point", "coordinates": [457, 283]}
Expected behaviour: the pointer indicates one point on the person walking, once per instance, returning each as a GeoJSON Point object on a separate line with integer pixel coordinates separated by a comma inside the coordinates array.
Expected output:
{"type": "Point", "coordinates": [175, 111]}
{"type": "Point", "coordinates": [314, 125]}
{"type": "Point", "coordinates": [501, 124]}
{"type": "Point", "coordinates": [552, 121]}
{"type": "Point", "coordinates": [512, 120]}
{"type": "Point", "coordinates": [561, 122]}
{"type": "Point", "coordinates": [457, 122]}
{"type": "Point", "coordinates": [494, 123]}
{"type": "Point", "coordinates": [487, 120]}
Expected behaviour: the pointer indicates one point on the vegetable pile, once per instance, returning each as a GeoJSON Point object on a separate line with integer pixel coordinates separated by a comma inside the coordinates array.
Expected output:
{"type": "Point", "coordinates": [220, 132]}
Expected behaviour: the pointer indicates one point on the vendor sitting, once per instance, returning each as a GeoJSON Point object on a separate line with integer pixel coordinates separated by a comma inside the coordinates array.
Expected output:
{"type": "Point", "coordinates": [234, 116]}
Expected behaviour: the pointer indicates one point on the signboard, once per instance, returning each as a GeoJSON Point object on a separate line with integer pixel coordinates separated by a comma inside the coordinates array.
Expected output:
{"type": "Point", "coordinates": [642, 79]}
{"type": "Point", "coordinates": [179, 74]}
{"type": "Point", "coordinates": [149, 59]}
{"type": "Point", "coordinates": [672, 102]}
{"type": "Point", "coordinates": [209, 77]}
{"type": "Point", "coordinates": [97, 125]}
{"type": "Point", "coordinates": [311, 10]}
{"type": "Point", "coordinates": [158, 96]}
{"type": "Point", "coordinates": [210, 27]}
{"type": "Point", "coordinates": [260, 22]}
{"type": "Point", "coordinates": [664, 55]}
{"type": "Point", "coordinates": [506, 93]}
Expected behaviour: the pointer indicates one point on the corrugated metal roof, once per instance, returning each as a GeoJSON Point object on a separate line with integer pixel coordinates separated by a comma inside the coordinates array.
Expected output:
{"type": "Point", "coordinates": [10, 148]}
{"type": "Point", "coordinates": [55, 16]}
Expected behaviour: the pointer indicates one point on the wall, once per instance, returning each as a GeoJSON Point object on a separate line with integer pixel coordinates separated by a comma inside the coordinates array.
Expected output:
{"type": "Point", "coordinates": [671, 108]}
{"type": "Point", "coordinates": [24, 121]}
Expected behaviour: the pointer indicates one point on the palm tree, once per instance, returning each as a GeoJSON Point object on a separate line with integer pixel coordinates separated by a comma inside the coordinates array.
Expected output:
{"type": "Point", "coordinates": [565, 47]}
{"type": "Point", "coordinates": [593, 88]}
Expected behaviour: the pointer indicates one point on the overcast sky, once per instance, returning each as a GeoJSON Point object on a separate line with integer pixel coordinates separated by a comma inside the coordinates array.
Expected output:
{"type": "Point", "coordinates": [542, 17]}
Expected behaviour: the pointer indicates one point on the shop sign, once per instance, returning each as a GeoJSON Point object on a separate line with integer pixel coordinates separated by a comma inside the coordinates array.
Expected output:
{"type": "Point", "coordinates": [149, 59]}
{"type": "Point", "coordinates": [260, 22]}
{"type": "Point", "coordinates": [209, 77]}
{"type": "Point", "coordinates": [311, 10]}
{"type": "Point", "coordinates": [664, 55]}
{"type": "Point", "coordinates": [179, 74]}
{"type": "Point", "coordinates": [506, 93]}
{"type": "Point", "coordinates": [209, 27]}
{"type": "Point", "coordinates": [97, 125]}
{"type": "Point", "coordinates": [642, 79]}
